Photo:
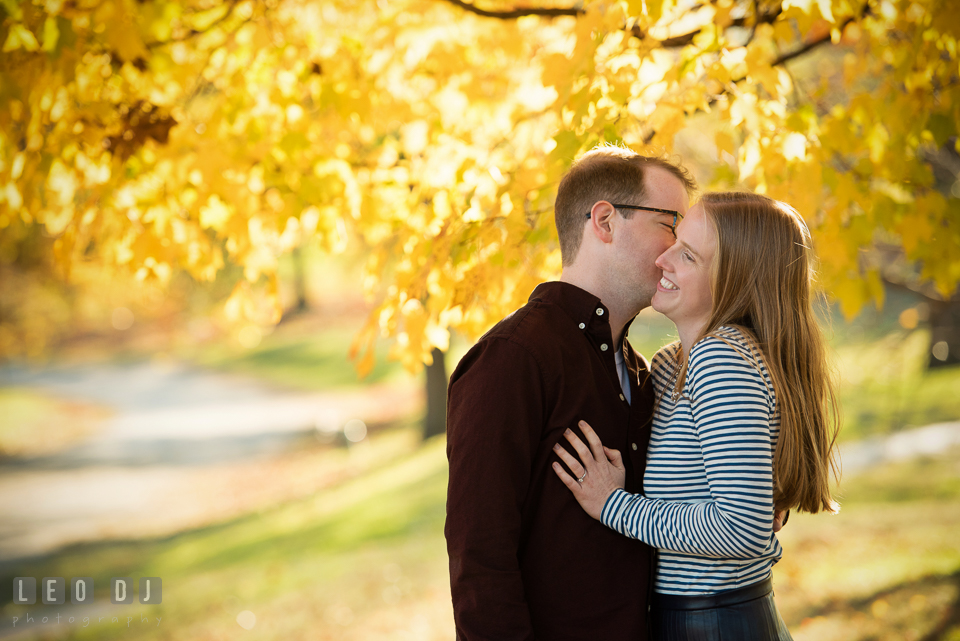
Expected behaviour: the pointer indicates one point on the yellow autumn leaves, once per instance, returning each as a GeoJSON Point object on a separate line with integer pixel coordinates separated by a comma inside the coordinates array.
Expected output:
{"type": "Point", "coordinates": [169, 136]}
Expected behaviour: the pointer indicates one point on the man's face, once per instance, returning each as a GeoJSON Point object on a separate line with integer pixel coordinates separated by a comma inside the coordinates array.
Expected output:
{"type": "Point", "coordinates": [646, 235]}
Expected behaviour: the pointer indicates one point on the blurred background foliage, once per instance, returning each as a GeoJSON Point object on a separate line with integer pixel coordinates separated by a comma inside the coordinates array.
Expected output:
{"type": "Point", "coordinates": [182, 148]}
{"type": "Point", "coordinates": [303, 190]}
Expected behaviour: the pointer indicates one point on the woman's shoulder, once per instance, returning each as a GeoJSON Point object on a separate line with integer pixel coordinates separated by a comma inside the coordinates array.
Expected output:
{"type": "Point", "coordinates": [727, 346]}
{"type": "Point", "coordinates": [726, 338]}
{"type": "Point", "coordinates": [666, 356]}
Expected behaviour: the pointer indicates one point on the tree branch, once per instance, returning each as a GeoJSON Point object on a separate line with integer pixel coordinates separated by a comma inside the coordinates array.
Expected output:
{"type": "Point", "coordinates": [922, 290]}
{"type": "Point", "coordinates": [517, 13]}
{"type": "Point", "coordinates": [756, 21]}
{"type": "Point", "coordinates": [813, 44]}
{"type": "Point", "coordinates": [780, 60]}
{"type": "Point", "coordinates": [196, 32]}
{"type": "Point", "coordinates": [675, 42]}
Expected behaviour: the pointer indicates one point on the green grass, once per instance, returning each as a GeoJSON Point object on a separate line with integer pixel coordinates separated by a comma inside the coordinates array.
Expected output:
{"type": "Point", "coordinates": [21, 409]}
{"type": "Point", "coordinates": [885, 386]}
{"type": "Point", "coordinates": [651, 331]}
{"type": "Point", "coordinates": [887, 567]}
{"type": "Point", "coordinates": [883, 381]}
{"type": "Point", "coordinates": [366, 559]}
{"type": "Point", "coordinates": [343, 548]}
{"type": "Point", "coordinates": [308, 361]}
{"type": "Point", "coordinates": [33, 423]}
{"type": "Point", "coordinates": [921, 480]}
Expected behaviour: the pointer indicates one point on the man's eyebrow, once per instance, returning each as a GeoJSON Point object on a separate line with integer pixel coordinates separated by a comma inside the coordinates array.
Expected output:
{"type": "Point", "coordinates": [669, 215]}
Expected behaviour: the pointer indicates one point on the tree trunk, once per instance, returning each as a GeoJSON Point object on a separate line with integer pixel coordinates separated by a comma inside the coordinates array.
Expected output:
{"type": "Point", "coordinates": [945, 332]}
{"type": "Point", "coordinates": [436, 419]}
{"type": "Point", "coordinates": [944, 320]}
{"type": "Point", "coordinates": [299, 280]}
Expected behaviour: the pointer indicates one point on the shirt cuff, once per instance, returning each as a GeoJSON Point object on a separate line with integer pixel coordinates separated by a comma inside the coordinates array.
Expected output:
{"type": "Point", "coordinates": [610, 514]}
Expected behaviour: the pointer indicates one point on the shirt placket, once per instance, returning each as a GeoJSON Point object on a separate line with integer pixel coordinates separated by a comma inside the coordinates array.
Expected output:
{"type": "Point", "coordinates": [597, 329]}
{"type": "Point", "coordinates": [640, 423]}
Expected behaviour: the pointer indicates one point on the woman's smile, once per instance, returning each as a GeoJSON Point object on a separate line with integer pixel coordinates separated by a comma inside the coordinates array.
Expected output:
{"type": "Point", "coordinates": [666, 286]}
{"type": "Point", "coordinates": [684, 293]}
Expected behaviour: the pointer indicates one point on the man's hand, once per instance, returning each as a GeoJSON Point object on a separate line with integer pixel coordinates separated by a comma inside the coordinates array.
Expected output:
{"type": "Point", "coordinates": [600, 475]}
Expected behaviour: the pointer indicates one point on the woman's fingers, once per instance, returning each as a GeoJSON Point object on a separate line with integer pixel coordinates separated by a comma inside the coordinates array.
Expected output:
{"type": "Point", "coordinates": [585, 454]}
{"type": "Point", "coordinates": [595, 445]}
{"type": "Point", "coordinates": [780, 519]}
{"type": "Point", "coordinates": [595, 457]}
{"type": "Point", "coordinates": [568, 480]}
{"type": "Point", "coordinates": [598, 475]}
{"type": "Point", "coordinates": [569, 459]}
{"type": "Point", "coordinates": [613, 456]}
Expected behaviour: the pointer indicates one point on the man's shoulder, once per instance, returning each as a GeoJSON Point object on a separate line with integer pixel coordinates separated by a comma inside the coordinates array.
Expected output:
{"type": "Point", "coordinates": [526, 326]}
{"type": "Point", "coordinates": [636, 360]}
{"type": "Point", "coordinates": [527, 334]}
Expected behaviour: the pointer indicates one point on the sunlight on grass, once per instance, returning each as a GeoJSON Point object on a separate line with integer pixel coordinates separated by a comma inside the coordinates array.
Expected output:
{"type": "Point", "coordinates": [33, 423]}
{"type": "Point", "coordinates": [365, 559]}
{"type": "Point", "coordinates": [885, 387]}
{"type": "Point", "coordinates": [887, 567]}
{"type": "Point", "coordinates": [368, 551]}
{"type": "Point", "coordinates": [884, 384]}
{"type": "Point", "coordinates": [309, 362]}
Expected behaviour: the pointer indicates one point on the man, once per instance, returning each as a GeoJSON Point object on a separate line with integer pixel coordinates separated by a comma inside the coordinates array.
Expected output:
{"type": "Point", "coordinates": [525, 561]}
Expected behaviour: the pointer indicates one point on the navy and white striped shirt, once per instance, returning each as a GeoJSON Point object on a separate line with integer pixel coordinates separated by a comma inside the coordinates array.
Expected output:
{"type": "Point", "coordinates": [708, 485]}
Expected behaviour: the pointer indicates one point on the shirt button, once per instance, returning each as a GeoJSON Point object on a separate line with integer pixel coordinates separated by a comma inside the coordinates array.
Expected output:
{"type": "Point", "coordinates": [603, 347]}
{"type": "Point", "coordinates": [622, 397]}
{"type": "Point", "coordinates": [599, 311]}
{"type": "Point", "coordinates": [634, 446]}
{"type": "Point", "coordinates": [582, 325]}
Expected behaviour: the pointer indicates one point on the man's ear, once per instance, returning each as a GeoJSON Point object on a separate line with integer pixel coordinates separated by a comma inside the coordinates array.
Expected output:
{"type": "Point", "coordinates": [601, 222]}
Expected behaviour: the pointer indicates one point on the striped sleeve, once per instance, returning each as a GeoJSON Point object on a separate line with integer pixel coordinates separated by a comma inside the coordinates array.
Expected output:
{"type": "Point", "coordinates": [732, 405]}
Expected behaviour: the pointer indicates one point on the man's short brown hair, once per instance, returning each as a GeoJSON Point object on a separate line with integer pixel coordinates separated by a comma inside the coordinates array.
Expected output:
{"type": "Point", "coordinates": [614, 174]}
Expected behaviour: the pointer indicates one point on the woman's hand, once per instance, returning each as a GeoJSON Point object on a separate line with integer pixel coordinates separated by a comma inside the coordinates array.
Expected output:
{"type": "Point", "coordinates": [602, 471]}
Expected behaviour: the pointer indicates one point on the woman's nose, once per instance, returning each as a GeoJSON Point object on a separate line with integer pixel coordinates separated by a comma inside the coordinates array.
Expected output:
{"type": "Point", "coordinates": [662, 261]}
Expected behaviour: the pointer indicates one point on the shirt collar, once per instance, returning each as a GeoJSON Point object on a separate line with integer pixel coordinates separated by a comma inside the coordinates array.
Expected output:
{"type": "Point", "coordinates": [581, 307]}
{"type": "Point", "coordinates": [579, 304]}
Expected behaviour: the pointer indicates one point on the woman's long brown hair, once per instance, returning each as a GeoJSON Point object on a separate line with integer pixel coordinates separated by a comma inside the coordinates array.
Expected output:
{"type": "Point", "coordinates": [761, 283]}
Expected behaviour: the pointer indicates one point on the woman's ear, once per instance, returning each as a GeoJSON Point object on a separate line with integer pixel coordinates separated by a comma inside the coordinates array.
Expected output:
{"type": "Point", "coordinates": [601, 223]}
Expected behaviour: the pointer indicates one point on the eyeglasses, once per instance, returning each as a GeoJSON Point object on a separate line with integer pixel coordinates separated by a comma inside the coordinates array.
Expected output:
{"type": "Point", "coordinates": [677, 216]}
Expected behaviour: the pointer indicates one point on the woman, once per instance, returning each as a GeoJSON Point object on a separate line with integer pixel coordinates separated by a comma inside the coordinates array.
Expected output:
{"type": "Point", "coordinates": [742, 425]}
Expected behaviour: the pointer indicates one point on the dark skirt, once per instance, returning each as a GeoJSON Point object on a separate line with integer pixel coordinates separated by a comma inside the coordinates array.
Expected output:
{"type": "Point", "coordinates": [744, 614]}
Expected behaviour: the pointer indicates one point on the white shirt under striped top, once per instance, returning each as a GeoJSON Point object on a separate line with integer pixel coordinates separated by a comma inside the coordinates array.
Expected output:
{"type": "Point", "coordinates": [708, 503]}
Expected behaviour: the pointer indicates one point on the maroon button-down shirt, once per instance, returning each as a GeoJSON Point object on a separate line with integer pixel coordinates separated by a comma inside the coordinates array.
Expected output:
{"type": "Point", "coordinates": [526, 562]}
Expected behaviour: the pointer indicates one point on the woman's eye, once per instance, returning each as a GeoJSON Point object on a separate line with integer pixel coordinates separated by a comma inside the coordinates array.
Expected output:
{"type": "Point", "coordinates": [668, 226]}
{"type": "Point", "coordinates": [687, 256]}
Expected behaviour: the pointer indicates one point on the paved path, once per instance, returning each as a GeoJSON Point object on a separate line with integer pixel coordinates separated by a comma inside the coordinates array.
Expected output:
{"type": "Point", "coordinates": [187, 447]}
{"type": "Point", "coordinates": [901, 446]}
{"type": "Point", "coordinates": [184, 447]}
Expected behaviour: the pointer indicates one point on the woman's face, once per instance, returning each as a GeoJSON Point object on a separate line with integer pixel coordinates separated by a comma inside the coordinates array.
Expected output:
{"type": "Point", "coordinates": [683, 294]}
